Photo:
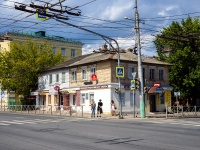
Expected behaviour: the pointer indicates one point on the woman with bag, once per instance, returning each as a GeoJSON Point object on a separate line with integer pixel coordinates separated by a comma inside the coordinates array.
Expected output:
{"type": "Point", "coordinates": [93, 108]}
{"type": "Point", "coordinates": [113, 108]}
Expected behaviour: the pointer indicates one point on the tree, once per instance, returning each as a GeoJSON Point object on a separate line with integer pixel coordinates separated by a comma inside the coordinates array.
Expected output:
{"type": "Point", "coordinates": [20, 67]}
{"type": "Point", "coordinates": [183, 45]}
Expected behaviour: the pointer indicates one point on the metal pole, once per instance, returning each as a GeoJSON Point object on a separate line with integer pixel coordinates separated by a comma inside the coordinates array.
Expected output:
{"type": "Point", "coordinates": [134, 101]}
{"type": "Point", "coordinates": [177, 105]}
{"type": "Point", "coordinates": [140, 75]}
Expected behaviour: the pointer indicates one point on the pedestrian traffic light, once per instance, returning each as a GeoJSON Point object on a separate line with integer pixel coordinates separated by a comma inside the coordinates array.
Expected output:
{"type": "Point", "coordinates": [137, 83]}
{"type": "Point", "coordinates": [145, 89]}
{"type": "Point", "coordinates": [116, 90]}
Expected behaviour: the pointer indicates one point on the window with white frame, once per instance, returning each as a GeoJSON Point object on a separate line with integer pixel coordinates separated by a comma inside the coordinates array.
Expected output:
{"type": "Point", "coordinates": [57, 77]}
{"type": "Point", "coordinates": [63, 51]}
{"type": "Point", "coordinates": [131, 69]}
{"type": "Point", "coordinates": [161, 74]}
{"type": "Point", "coordinates": [151, 74]}
{"type": "Point", "coordinates": [50, 78]}
{"type": "Point", "coordinates": [73, 53]}
{"type": "Point", "coordinates": [74, 76]}
{"type": "Point", "coordinates": [93, 70]}
{"type": "Point", "coordinates": [54, 50]}
{"type": "Point", "coordinates": [84, 73]}
{"type": "Point", "coordinates": [63, 77]}
{"type": "Point", "coordinates": [83, 98]}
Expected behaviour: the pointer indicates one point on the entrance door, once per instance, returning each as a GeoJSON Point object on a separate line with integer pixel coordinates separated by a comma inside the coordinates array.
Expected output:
{"type": "Point", "coordinates": [152, 99]}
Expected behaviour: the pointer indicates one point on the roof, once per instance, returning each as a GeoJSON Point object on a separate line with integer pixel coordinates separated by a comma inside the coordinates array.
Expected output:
{"type": "Point", "coordinates": [97, 57]}
{"type": "Point", "coordinates": [42, 34]}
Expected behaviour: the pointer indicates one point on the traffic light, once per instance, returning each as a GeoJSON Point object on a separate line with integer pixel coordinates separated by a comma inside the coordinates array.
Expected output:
{"type": "Point", "coordinates": [145, 89]}
{"type": "Point", "coordinates": [116, 90]}
{"type": "Point", "coordinates": [137, 83]}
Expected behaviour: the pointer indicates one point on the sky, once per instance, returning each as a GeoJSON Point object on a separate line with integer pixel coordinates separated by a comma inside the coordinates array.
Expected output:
{"type": "Point", "coordinates": [104, 17]}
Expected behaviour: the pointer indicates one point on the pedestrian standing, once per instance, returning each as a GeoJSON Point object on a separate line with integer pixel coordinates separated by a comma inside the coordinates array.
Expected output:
{"type": "Point", "coordinates": [113, 108]}
{"type": "Point", "coordinates": [93, 108]}
{"type": "Point", "coordinates": [99, 108]}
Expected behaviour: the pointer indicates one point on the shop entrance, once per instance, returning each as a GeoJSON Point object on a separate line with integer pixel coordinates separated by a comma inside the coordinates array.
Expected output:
{"type": "Point", "coordinates": [152, 99]}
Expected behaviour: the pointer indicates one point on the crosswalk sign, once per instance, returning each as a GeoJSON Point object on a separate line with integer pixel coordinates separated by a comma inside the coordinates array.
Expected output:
{"type": "Point", "coordinates": [120, 72]}
{"type": "Point", "coordinates": [132, 84]}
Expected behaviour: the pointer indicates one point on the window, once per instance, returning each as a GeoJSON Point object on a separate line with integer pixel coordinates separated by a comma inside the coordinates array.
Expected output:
{"type": "Point", "coordinates": [73, 53]}
{"type": "Point", "coordinates": [83, 98]}
{"type": "Point", "coordinates": [74, 75]}
{"type": "Point", "coordinates": [49, 99]}
{"type": "Point", "coordinates": [151, 74]}
{"type": "Point", "coordinates": [54, 50]}
{"type": "Point", "coordinates": [130, 71]}
{"type": "Point", "coordinates": [93, 70]}
{"type": "Point", "coordinates": [160, 74]}
{"type": "Point", "coordinates": [57, 77]}
{"type": "Point", "coordinates": [74, 100]}
{"type": "Point", "coordinates": [84, 74]}
{"type": "Point", "coordinates": [50, 78]}
{"type": "Point", "coordinates": [63, 77]}
{"type": "Point", "coordinates": [63, 51]}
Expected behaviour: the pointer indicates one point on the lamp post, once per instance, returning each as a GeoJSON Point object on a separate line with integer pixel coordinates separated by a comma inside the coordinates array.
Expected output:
{"type": "Point", "coordinates": [140, 75]}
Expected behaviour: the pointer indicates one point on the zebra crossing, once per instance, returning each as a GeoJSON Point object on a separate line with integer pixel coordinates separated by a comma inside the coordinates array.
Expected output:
{"type": "Point", "coordinates": [177, 122]}
{"type": "Point", "coordinates": [37, 121]}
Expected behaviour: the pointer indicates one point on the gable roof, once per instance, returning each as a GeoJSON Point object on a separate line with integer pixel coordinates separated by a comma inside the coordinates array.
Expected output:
{"type": "Point", "coordinates": [97, 57]}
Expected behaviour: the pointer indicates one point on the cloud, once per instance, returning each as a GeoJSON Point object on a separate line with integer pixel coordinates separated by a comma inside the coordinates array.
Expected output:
{"type": "Point", "coordinates": [115, 11]}
{"type": "Point", "coordinates": [167, 10]}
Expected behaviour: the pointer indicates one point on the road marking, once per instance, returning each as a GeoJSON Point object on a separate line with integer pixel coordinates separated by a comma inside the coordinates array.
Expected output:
{"type": "Point", "coordinates": [11, 122]}
{"type": "Point", "coordinates": [24, 121]}
{"type": "Point", "coordinates": [3, 124]}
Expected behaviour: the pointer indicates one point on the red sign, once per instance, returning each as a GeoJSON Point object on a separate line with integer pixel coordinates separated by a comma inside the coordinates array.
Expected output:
{"type": "Point", "coordinates": [56, 88]}
{"type": "Point", "coordinates": [94, 77]}
{"type": "Point", "coordinates": [156, 84]}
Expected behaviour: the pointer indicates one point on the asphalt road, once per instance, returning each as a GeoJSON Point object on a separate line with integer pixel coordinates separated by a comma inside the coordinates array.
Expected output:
{"type": "Point", "coordinates": [37, 132]}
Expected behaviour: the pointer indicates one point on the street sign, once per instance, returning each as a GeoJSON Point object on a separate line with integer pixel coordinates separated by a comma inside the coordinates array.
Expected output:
{"type": "Point", "coordinates": [120, 72]}
{"type": "Point", "coordinates": [177, 93]}
{"type": "Point", "coordinates": [40, 16]}
{"type": "Point", "coordinates": [132, 84]}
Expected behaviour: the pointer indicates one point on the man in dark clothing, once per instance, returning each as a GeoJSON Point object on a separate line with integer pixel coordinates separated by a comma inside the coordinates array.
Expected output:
{"type": "Point", "coordinates": [99, 108]}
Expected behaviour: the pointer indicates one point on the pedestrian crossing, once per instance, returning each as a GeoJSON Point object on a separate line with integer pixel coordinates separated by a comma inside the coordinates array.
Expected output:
{"type": "Point", "coordinates": [36, 121]}
{"type": "Point", "coordinates": [177, 122]}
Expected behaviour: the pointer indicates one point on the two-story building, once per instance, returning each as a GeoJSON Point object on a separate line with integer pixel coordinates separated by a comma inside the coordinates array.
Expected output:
{"type": "Point", "coordinates": [68, 48]}
{"type": "Point", "coordinates": [78, 88]}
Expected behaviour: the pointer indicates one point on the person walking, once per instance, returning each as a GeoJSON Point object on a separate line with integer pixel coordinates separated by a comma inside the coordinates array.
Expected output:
{"type": "Point", "coordinates": [99, 108]}
{"type": "Point", "coordinates": [113, 108]}
{"type": "Point", "coordinates": [93, 108]}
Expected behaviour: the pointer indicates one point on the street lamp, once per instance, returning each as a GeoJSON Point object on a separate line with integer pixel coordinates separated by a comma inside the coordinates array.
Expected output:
{"type": "Point", "coordinates": [140, 75]}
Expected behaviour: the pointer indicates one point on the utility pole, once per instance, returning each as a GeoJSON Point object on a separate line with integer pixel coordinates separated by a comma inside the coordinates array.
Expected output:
{"type": "Point", "coordinates": [140, 74]}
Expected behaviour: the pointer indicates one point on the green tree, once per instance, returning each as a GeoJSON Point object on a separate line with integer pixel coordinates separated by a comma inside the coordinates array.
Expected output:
{"type": "Point", "coordinates": [183, 45]}
{"type": "Point", "coordinates": [20, 67]}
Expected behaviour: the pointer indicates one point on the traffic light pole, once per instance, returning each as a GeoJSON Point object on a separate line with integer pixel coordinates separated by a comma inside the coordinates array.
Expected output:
{"type": "Point", "coordinates": [140, 75]}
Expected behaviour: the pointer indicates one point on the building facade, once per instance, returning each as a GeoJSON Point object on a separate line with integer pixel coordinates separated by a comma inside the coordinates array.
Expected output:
{"type": "Point", "coordinates": [79, 88]}
{"type": "Point", "coordinates": [68, 48]}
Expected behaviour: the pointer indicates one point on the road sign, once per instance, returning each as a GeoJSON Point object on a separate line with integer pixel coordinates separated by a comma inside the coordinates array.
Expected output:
{"type": "Point", "coordinates": [132, 84]}
{"type": "Point", "coordinates": [39, 15]}
{"type": "Point", "coordinates": [120, 72]}
{"type": "Point", "coordinates": [177, 93]}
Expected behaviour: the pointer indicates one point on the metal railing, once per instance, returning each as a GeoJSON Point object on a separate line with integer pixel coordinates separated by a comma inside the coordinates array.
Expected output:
{"type": "Point", "coordinates": [43, 109]}
{"type": "Point", "coordinates": [183, 111]}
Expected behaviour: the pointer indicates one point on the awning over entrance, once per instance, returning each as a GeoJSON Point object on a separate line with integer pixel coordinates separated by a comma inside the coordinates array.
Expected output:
{"type": "Point", "coordinates": [156, 89]}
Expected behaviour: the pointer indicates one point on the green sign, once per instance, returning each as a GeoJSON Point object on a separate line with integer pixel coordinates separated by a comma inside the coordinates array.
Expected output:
{"type": "Point", "coordinates": [120, 72]}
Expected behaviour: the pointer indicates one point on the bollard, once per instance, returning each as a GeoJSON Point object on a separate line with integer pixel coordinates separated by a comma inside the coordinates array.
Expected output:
{"type": "Point", "coordinates": [195, 110]}
{"type": "Point", "coordinates": [82, 110]}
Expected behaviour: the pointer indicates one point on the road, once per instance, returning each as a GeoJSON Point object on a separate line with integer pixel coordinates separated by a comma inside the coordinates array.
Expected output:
{"type": "Point", "coordinates": [38, 132]}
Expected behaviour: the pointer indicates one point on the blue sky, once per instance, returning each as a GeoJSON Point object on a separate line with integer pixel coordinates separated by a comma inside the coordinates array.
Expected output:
{"type": "Point", "coordinates": [102, 16]}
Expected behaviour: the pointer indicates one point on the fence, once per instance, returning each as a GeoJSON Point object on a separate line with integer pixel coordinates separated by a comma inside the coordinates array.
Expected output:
{"type": "Point", "coordinates": [42, 109]}
{"type": "Point", "coordinates": [183, 111]}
